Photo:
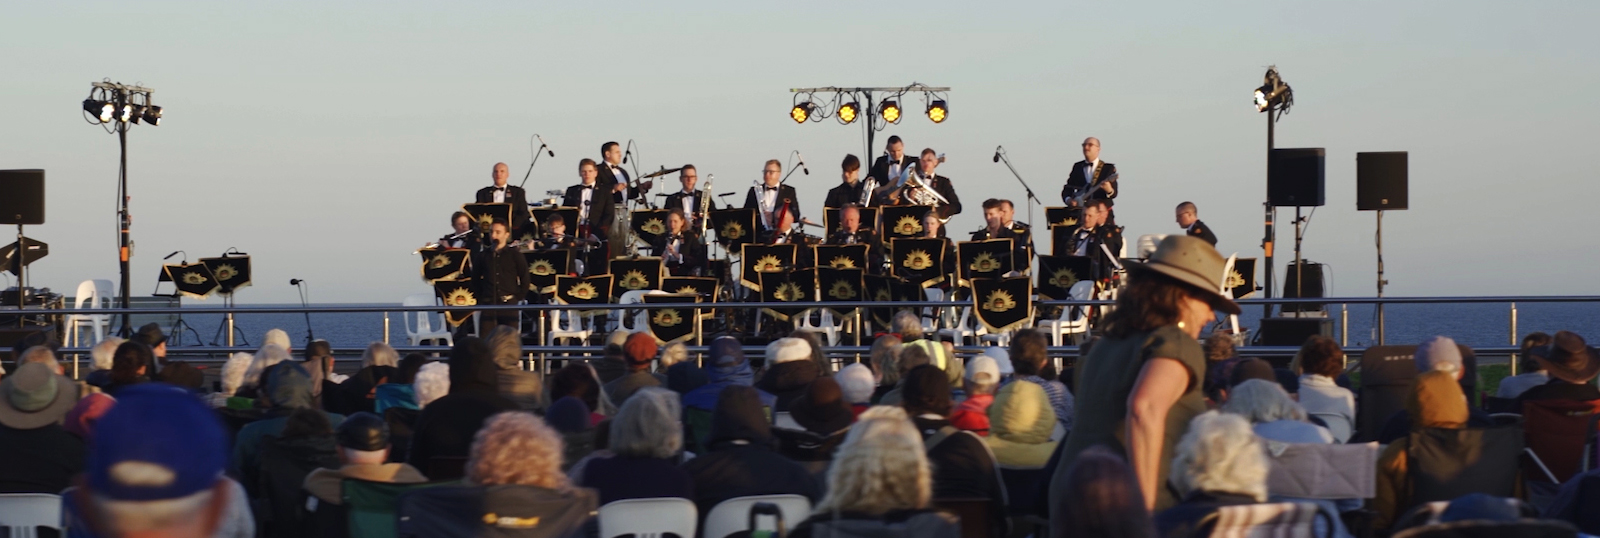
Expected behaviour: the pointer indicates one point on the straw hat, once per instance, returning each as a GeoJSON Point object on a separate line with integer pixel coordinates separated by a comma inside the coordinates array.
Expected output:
{"type": "Point", "coordinates": [1192, 261]}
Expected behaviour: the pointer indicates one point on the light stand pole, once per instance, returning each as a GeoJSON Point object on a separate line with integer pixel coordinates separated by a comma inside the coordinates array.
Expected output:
{"type": "Point", "coordinates": [1274, 97]}
{"type": "Point", "coordinates": [122, 106]}
{"type": "Point", "coordinates": [1271, 218]}
{"type": "Point", "coordinates": [1381, 281]}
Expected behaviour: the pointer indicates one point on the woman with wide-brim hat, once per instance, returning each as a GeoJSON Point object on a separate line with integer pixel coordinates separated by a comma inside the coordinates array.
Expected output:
{"type": "Point", "coordinates": [1141, 384]}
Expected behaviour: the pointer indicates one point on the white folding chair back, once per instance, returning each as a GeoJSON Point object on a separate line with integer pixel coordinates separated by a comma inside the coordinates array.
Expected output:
{"type": "Point", "coordinates": [820, 321]}
{"type": "Point", "coordinates": [962, 329]}
{"type": "Point", "coordinates": [419, 324]}
{"type": "Point", "coordinates": [733, 515]}
{"type": "Point", "coordinates": [20, 513]}
{"type": "Point", "coordinates": [1147, 245]}
{"type": "Point", "coordinates": [1270, 520]}
{"type": "Point", "coordinates": [648, 518]}
{"type": "Point", "coordinates": [568, 324]}
{"type": "Point", "coordinates": [91, 294]}
{"type": "Point", "coordinates": [615, 320]}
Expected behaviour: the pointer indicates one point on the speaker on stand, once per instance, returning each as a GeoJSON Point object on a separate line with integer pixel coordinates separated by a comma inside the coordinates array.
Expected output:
{"type": "Point", "coordinates": [1298, 178]}
{"type": "Point", "coordinates": [21, 203]}
{"type": "Point", "coordinates": [1381, 185]}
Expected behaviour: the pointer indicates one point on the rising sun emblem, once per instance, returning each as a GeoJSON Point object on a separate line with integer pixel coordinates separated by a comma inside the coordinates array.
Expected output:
{"type": "Point", "coordinates": [666, 318]}
{"type": "Point", "coordinates": [984, 263]}
{"type": "Point", "coordinates": [731, 231]}
{"type": "Point", "coordinates": [908, 225]}
{"type": "Point", "coordinates": [439, 262]}
{"type": "Point", "coordinates": [769, 264]}
{"type": "Point", "coordinates": [460, 297]}
{"type": "Point", "coordinates": [1067, 221]}
{"type": "Point", "coordinates": [918, 260]}
{"type": "Point", "coordinates": [583, 290]}
{"type": "Point", "coordinates": [999, 301]}
{"type": "Point", "coordinates": [485, 220]}
{"type": "Point", "coordinates": [634, 280]}
{"type": "Point", "coordinates": [653, 227]}
{"type": "Point", "coordinates": [194, 278]}
{"type": "Point", "coordinates": [225, 272]}
{"type": "Point", "coordinates": [787, 292]}
{"type": "Point", "coordinates": [1234, 280]}
{"type": "Point", "coordinates": [842, 262]}
{"type": "Point", "coordinates": [1063, 278]}
{"type": "Point", "coordinates": [882, 295]}
{"type": "Point", "coordinates": [687, 289]}
{"type": "Point", "coordinates": [842, 290]}
{"type": "Point", "coordinates": [541, 268]}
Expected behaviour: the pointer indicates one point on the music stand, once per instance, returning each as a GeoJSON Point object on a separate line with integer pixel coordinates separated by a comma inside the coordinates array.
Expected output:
{"type": "Point", "coordinates": [648, 224]}
{"type": "Point", "coordinates": [232, 271]}
{"type": "Point", "coordinates": [734, 227]}
{"type": "Point", "coordinates": [831, 220]}
{"type": "Point", "coordinates": [902, 221]}
{"type": "Point", "coordinates": [193, 280]}
{"type": "Point", "coordinates": [1062, 216]}
{"type": "Point", "coordinates": [983, 259]}
{"type": "Point", "coordinates": [919, 261]}
{"type": "Point", "coordinates": [757, 259]}
{"type": "Point", "coordinates": [840, 256]}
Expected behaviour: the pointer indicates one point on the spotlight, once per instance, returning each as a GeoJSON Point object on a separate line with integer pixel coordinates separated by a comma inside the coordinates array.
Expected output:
{"type": "Point", "coordinates": [124, 113]}
{"type": "Point", "coordinates": [100, 110]}
{"type": "Point", "coordinates": [1273, 93]}
{"type": "Point", "coordinates": [801, 111]}
{"type": "Point", "coordinates": [890, 111]}
{"type": "Point", "coordinates": [152, 115]}
{"type": "Point", "coordinates": [848, 111]}
{"type": "Point", "coordinates": [937, 111]}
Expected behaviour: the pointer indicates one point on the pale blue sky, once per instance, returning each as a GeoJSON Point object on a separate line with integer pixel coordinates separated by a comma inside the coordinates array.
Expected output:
{"type": "Point", "coordinates": [329, 140]}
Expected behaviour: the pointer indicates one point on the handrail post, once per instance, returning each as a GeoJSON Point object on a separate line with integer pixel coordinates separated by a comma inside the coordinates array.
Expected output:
{"type": "Point", "coordinates": [1513, 336]}
{"type": "Point", "coordinates": [386, 328]}
{"type": "Point", "coordinates": [230, 328]}
{"type": "Point", "coordinates": [1344, 324]}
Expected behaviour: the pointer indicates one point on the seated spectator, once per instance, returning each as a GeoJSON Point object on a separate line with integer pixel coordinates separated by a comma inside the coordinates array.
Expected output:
{"type": "Point", "coordinates": [42, 355]}
{"type": "Point", "coordinates": [1572, 364]}
{"type": "Point", "coordinates": [445, 427]}
{"type": "Point", "coordinates": [231, 378]}
{"type": "Point", "coordinates": [825, 416]}
{"type": "Point", "coordinates": [1220, 359]}
{"type": "Point", "coordinates": [515, 466]}
{"type": "Point", "coordinates": [319, 362]}
{"type": "Point", "coordinates": [1436, 401]}
{"type": "Point", "coordinates": [1322, 362]}
{"type": "Point", "coordinates": [398, 391]}
{"type": "Point", "coordinates": [1533, 373]}
{"type": "Point", "coordinates": [36, 454]}
{"type": "Point", "coordinates": [672, 354]}
{"type": "Point", "coordinates": [578, 381]}
{"type": "Point", "coordinates": [81, 419]}
{"type": "Point", "coordinates": [130, 365]}
{"type": "Point", "coordinates": [962, 465]}
{"type": "Point", "coordinates": [1028, 357]}
{"type": "Point", "coordinates": [522, 387]}
{"type": "Point", "coordinates": [1219, 463]}
{"type": "Point", "coordinates": [270, 354]}
{"type": "Point", "coordinates": [856, 382]}
{"type": "Point", "coordinates": [685, 376]}
{"type": "Point", "coordinates": [379, 364]}
{"type": "Point", "coordinates": [741, 460]}
{"type": "Point", "coordinates": [907, 325]}
{"type": "Point", "coordinates": [570, 418]}
{"type": "Point", "coordinates": [879, 485]}
{"type": "Point", "coordinates": [602, 450]}
{"type": "Point", "coordinates": [156, 430]}
{"type": "Point", "coordinates": [320, 349]}
{"type": "Point", "coordinates": [363, 448]}
{"type": "Point", "coordinates": [100, 358]}
{"type": "Point", "coordinates": [1101, 499]}
{"type": "Point", "coordinates": [287, 388]}
{"type": "Point", "coordinates": [646, 438]}
{"type": "Point", "coordinates": [1020, 423]}
{"type": "Point", "coordinates": [885, 365]}
{"type": "Point", "coordinates": [729, 368]}
{"type": "Point", "coordinates": [789, 369]}
{"type": "Point", "coordinates": [640, 351]}
{"type": "Point", "coordinates": [1002, 360]}
{"type": "Point", "coordinates": [278, 487]}
{"type": "Point", "coordinates": [1438, 353]}
{"type": "Point", "coordinates": [614, 363]}
{"type": "Point", "coordinates": [814, 342]}
{"type": "Point", "coordinates": [982, 378]}
{"type": "Point", "coordinates": [1273, 414]}
{"type": "Point", "coordinates": [939, 356]}
{"type": "Point", "coordinates": [909, 357]}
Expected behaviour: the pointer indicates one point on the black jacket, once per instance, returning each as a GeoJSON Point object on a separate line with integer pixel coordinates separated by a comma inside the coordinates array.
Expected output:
{"type": "Point", "coordinates": [786, 195]}
{"type": "Point", "coordinates": [692, 249]}
{"type": "Point", "coordinates": [675, 201]}
{"type": "Point", "coordinates": [880, 168]}
{"type": "Point", "coordinates": [40, 460]}
{"type": "Point", "coordinates": [741, 461]}
{"type": "Point", "coordinates": [942, 186]}
{"type": "Point", "coordinates": [604, 178]}
{"type": "Point", "coordinates": [963, 468]}
{"type": "Point", "coordinates": [1108, 235]}
{"type": "Point", "coordinates": [1200, 230]}
{"type": "Point", "coordinates": [446, 427]}
{"type": "Point", "coordinates": [514, 196]}
{"type": "Point", "coordinates": [1082, 178]}
{"type": "Point", "coordinates": [844, 194]}
{"type": "Point", "coordinates": [502, 276]}
{"type": "Point", "coordinates": [602, 210]}
{"type": "Point", "coordinates": [1021, 236]}
{"type": "Point", "coordinates": [788, 381]}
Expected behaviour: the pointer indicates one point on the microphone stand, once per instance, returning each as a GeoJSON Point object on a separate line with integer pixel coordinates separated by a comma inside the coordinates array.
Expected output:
{"type": "Point", "coordinates": [301, 286]}
{"type": "Point", "coordinates": [536, 154]}
{"type": "Point", "coordinates": [1001, 154]}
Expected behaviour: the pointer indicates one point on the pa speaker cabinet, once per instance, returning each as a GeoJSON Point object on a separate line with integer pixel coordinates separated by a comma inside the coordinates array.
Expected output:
{"type": "Point", "coordinates": [1296, 177]}
{"type": "Point", "coordinates": [1293, 331]}
{"type": "Point", "coordinates": [22, 197]}
{"type": "Point", "coordinates": [1294, 288]}
{"type": "Point", "coordinates": [1381, 180]}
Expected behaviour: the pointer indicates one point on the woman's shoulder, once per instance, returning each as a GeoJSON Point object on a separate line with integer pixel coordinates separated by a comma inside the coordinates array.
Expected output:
{"type": "Point", "coordinates": [1172, 342]}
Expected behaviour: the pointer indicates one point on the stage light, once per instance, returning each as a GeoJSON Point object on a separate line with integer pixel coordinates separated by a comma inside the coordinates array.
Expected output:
{"type": "Point", "coordinates": [848, 111]}
{"type": "Point", "coordinates": [100, 110]}
{"type": "Point", "coordinates": [1273, 93]}
{"type": "Point", "coordinates": [937, 111]}
{"type": "Point", "coordinates": [801, 111]}
{"type": "Point", "coordinates": [152, 115]}
{"type": "Point", "coordinates": [890, 111]}
{"type": "Point", "coordinates": [124, 113]}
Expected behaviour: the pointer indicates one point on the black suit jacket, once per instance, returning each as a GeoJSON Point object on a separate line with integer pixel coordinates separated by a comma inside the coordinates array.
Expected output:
{"type": "Point", "coordinates": [605, 178]}
{"type": "Point", "coordinates": [1200, 230]}
{"type": "Point", "coordinates": [502, 273]}
{"type": "Point", "coordinates": [1021, 237]}
{"type": "Point", "coordinates": [601, 209]}
{"type": "Point", "coordinates": [675, 201]}
{"type": "Point", "coordinates": [1078, 180]}
{"type": "Point", "coordinates": [844, 194]}
{"type": "Point", "coordinates": [514, 196]}
{"type": "Point", "coordinates": [880, 168]}
{"type": "Point", "coordinates": [942, 186]}
{"type": "Point", "coordinates": [1108, 235]}
{"type": "Point", "coordinates": [692, 249]}
{"type": "Point", "coordinates": [786, 195]}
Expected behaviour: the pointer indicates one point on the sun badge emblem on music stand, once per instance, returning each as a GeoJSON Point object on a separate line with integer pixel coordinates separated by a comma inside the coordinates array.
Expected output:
{"type": "Point", "coordinates": [225, 272]}
{"type": "Point", "coordinates": [842, 290]}
{"type": "Point", "coordinates": [654, 227]}
{"type": "Point", "coordinates": [999, 301]}
{"type": "Point", "coordinates": [842, 262]}
{"type": "Point", "coordinates": [688, 289]}
{"type": "Point", "coordinates": [541, 268]}
{"type": "Point", "coordinates": [882, 295]}
{"type": "Point", "coordinates": [194, 278]}
{"type": "Point", "coordinates": [984, 263]}
{"type": "Point", "coordinates": [485, 220]}
{"type": "Point", "coordinates": [787, 292]}
{"type": "Point", "coordinates": [666, 318]}
{"type": "Point", "coordinates": [1063, 278]}
{"type": "Point", "coordinates": [582, 290]}
{"type": "Point", "coordinates": [460, 298]}
{"type": "Point", "coordinates": [769, 264]}
{"type": "Point", "coordinates": [635, 280]}
{"type": "Point", "coordinates": [918, 260]}
{"type": "Point", "coordinates": [1234, 280]}
{"type": "Point", "coordinates": [1069, 221]}
{"type": "Point", "coordinates": [731, 231]}
{"type": "Point", "coordinates": [908, 225]}
{"type": "Point", "coordinates": [439, 262]}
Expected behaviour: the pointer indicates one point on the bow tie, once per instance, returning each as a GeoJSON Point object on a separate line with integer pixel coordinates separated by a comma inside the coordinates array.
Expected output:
{"type": "Point", "coordinates": [769, 187]}
{"type": "Point", "coordinates": [501, 189]}
{"type": "Point", "coordinates": [587, 187]}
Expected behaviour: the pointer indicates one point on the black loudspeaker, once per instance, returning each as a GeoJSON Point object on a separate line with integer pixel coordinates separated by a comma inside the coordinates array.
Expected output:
{"type": "Point", "coordinates": [1292, 331]}
{"type": "Point", "coordinates": [1312, 287]}
{"type": "Point", "coordinates": [1381, 180]}
{"type": "Point", "coordinates": [1296, 177]}
{"type": "Point", "coordinates": [21, 196]}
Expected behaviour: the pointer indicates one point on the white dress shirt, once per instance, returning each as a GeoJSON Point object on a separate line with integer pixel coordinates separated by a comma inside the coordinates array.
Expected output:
{"type": "Point", "coordinates": [583, 205]}
{"type": "Point", "coordinates": [769, 203]}
{"type": "Point", "coordinates": [688, 204]}
{"type": "Point", "coordinates": [500, 195]}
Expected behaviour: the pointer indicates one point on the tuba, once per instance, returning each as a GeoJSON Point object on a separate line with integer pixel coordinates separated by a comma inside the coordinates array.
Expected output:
{"type": "Point", "coordinates": [919, 193]}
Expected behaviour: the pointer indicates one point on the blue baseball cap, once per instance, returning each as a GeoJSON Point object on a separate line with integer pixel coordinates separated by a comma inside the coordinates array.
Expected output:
{"type": "Point", "coordinates": [159, 442]}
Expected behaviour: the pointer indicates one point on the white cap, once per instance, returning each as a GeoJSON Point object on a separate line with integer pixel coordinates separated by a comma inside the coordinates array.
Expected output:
{"type": "Point", "coordinates": [788, 349]}
{"type": "Point", "coordinates": [983, 369]}
{"type": "Point", "coordinates": [1001, 358]}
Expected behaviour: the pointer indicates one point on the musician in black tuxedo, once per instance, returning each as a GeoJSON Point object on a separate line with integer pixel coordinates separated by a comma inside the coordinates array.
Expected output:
{"type": "Point", "coordinates": [774, 202]}
{"type": "Point", "coordinates": [927, 174]}
{"type": "Point", "coordinates": [1189, 219]}
{"type": "Point", "coordinates": [849, 191]}
{"type": "Point", "coordinates": [681, 249]}
{"type": "Point", "coordinates": [1094, 231]}
{"type": "Point", "coordinates": [996, 227]}
{"type": "Point", "coordinates": [887, 168]}
{"type": "Point", "coordinates": [463, 235]}
{"type": "Point", "coordinates": [1088, 171]}
{"type": "Point", "coordinates": [614, 178]}
{"type": "Point", "coordinates": [595, 214]}
{"type": "Point", "coordinates": [851, 233]}
{"type": "Point", "coordinates": [502, 276]}
{"type": "Point", "coordinates": [688, 199]}
{"type": "Point", "coordinates": [500, 193]}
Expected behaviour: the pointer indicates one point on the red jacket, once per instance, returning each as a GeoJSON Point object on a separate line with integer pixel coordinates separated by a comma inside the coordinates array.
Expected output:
{"type": "Point", "coordinates": [973, 414]}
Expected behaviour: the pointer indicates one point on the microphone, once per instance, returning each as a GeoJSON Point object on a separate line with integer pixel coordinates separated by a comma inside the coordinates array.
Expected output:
{"type": "Point", "coordinates": [546, 146]}
{"type": "Point", "coordinates": [169, 256]}
{"type": "Point", "coordinates": [727, 194]}
{"type": "Point", "coordinates": [295, 281]}
{"type": "Point", "coordinates": [628, 151]}
{"type": "Point", "coordinates": [997, 154]}
{"type": "Point", "coordinates": [802, 162]}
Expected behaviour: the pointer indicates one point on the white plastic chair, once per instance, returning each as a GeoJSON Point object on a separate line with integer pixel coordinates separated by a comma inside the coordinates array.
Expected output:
{"type": "Point", "coordinates": [20, 513]}
{"type": "Point", "coordinates": [821, 321]}
{"type": "Point", "coordinates": [1074, 320]}
{"type": "Point", "coordinates": [1002, 339]}
{"type": "Point", "coordinates": [1147, 245]}
{"type": "Point", "coordinates": [420, 324]}
{"type": "Point", "coordinates": [92, 294]}
{"type": "Point", "coordinates": [614, 320]}
{"type": "Point", "coordinates": [962, 329]}
{"type": "Point", "coordinates": [930, 315]}
{"type": "Point", "coordinates": [733, 515]}
{"type": "Point", "coordinates": [648, 518]}
{"type": "Point", "coordinates": [568, 324]}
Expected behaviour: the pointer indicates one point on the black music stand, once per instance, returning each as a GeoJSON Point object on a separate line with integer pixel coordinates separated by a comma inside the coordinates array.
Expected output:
{"type": "Point", "coordinates": [188, 279]}
{"type": "Point", "coordinates": [232, 271]}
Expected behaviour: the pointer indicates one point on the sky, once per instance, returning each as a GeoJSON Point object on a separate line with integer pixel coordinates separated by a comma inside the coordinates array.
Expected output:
{"type": "Point", "coordinates": [329, 140]}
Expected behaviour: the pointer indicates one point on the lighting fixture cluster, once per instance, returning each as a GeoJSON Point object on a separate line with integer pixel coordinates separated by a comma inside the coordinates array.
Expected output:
{"type": "Point", "coordinates": [1274, 93]}
{"type": "Point", "coordinates": [845, 104]}
{"type": "Point", "coordinates": [121, 105]}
